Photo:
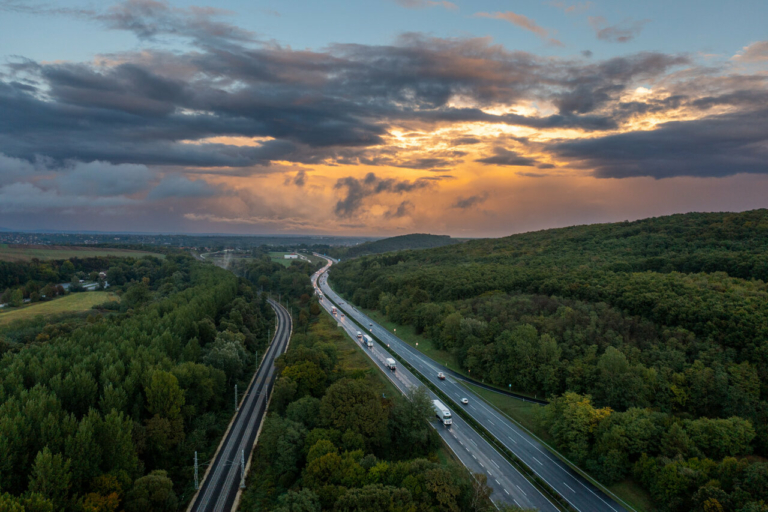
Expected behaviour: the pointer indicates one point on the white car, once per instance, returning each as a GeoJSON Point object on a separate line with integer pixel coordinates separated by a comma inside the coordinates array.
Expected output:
{"type": "Point", "coordinates": [464, 401]}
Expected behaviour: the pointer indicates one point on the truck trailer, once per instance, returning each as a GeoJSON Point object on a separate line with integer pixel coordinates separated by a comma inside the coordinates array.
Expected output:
{"type": "Point", "coordinates": [368, 341]}
{"type": "Point", "coordinates": [442, 412]}
{"type": "Point", "coordinates": [391, 364]}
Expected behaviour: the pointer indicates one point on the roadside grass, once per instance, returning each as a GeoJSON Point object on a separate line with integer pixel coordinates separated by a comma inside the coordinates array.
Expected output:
{"type": "Point", "coordinates": [277, 257]}
{"type": "Point", "coordinates": [73, 303]}
{"type": "Point", "coordinates": [525, 413]}
{"type": "Point", "coordinates": [26, 253]}
{"type": "Point", "coordinates": [631, 492]}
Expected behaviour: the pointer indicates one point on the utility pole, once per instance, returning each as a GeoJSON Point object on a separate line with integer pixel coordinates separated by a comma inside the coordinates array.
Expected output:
{"type": "Point", "coordinates": [242, 469]}
{"type": "Point", "coordinates": [236, 407]}
{"type": "Point", "coordinates": [197, 485]}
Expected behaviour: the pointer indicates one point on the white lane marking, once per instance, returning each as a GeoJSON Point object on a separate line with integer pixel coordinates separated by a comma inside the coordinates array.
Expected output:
{"type": "Point", "coordinates": [516, 503]}
{"type": "Point", "coordinates": [519, 489]}
{"type": "Point", "coordinates": [473, 456]}
{"type": "Point", "coordinates": [497, 481]}
{"type": "Point", "coordinates": [569, 487]}
{"type": "Point", "coordinates": [481, 464]}
{"type": "Point", "coordinates": [512, 440]}
{"type": "Point", "coordinates": [537, 460]}
{"type": "Point", "coordinates": [494, 463]}
{"type": "Point", "coordinates": [506, 491]}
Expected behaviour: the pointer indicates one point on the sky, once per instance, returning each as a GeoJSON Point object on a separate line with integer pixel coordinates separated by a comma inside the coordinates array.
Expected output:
{"type": "Point", "coordinates": [378, 118]}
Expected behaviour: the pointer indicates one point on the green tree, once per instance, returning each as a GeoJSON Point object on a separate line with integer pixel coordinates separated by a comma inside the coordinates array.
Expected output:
{"type": "Point", "coordinates": [152, 493]}
{"type": "Point", "coordinates": [51, 477]}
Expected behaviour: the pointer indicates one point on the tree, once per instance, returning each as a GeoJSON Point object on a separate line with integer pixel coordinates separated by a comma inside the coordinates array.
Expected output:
{"type": "Point", "coordinates": [16, 298]}
{"type": "Point", "coordinates": [302, 501]}
{"type": "Point", "coordinates": [51, 477]}
{"type": "Point", "coordinates": [353, 405]}
{"type": "Point", "coordinates": [409, 423]}
{"type": "Point", "coordinates": [164, 396]}
{"type": "Point", "coordinates": [305, 410]}
{"type": "Point", "coordinates": [152, 493]}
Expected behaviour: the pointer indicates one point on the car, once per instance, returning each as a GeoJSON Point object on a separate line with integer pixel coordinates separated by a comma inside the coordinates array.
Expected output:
{"type": "Point", "coordinates": [441, 376]}
{"type": "Point", "coordinates": [371, 324]}
{"type": "Point", "coordinates": [464, 401]}
{"type": "Point", "coordinates": [342, 315]}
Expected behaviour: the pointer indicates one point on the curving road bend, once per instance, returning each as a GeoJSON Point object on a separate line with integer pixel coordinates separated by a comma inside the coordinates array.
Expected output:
{"type": "Point", "coordinates": [220, 485]}
{"type": "Point", "coordinates": [581, 494]}
{"type": "Point", "coordinates": [509, 486]}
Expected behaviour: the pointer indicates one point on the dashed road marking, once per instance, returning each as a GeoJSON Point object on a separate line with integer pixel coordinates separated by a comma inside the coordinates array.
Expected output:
{"type": "Point", "coordinates": [519, 489]}
{"type": "Point", "coordinates": [569, 487]}
{"type": "Point", "coordinates": [537, 460]}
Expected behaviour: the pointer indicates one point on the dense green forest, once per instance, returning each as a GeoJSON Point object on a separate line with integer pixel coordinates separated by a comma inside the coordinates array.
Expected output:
{"type": "Point", "coordinates": [104, 413]}
{"type": "Point", "coordinates": [396, 243]}
{"type": "Point", "coordinates": [335, 440]}
{"type": "Point", "coordinates": [650, 338]}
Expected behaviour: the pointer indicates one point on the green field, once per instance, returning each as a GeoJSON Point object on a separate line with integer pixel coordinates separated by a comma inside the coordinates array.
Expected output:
{"type": "Point", "coordinates": [42, 252]}
{"type": "Point", "coordinates": [74, 303]}
{"type": "Point", "coordinates": [277, 257]}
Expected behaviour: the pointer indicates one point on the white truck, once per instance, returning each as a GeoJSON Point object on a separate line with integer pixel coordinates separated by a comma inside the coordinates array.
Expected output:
{"type": "Point", "coordinates": [442, 412]}
{"type": "Point", "coordinates": [368, 341]}
{"type": "Point", "coordinates": [391, 364]}
{"type": "Point", "coordinates": [359, 335]}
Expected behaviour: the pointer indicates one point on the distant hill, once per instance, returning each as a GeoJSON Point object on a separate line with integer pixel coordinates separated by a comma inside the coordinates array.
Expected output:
{"type": "Point", "coordinates": [398, 243]}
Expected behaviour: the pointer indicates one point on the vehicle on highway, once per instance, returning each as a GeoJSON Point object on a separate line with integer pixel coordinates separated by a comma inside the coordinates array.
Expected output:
{"type": "Point", "coordinates": [342, 315]}
{"type": "Point", "coordinates": [391, 364]}
{"type": "Point", "coordinates": [368, 341]}
{"type": "Point", "coordinates": [359, 335]}
{"type": "Point", "coordinates": [441, 376]}
{"type": "Point", "coordinates": [370, 325]}
{"type": "Point", "coordinates": [442, 412]}
{"type": "Point", "coordinates": [464, 401]}
{"type": "Point", "coordinates": [333, 311]}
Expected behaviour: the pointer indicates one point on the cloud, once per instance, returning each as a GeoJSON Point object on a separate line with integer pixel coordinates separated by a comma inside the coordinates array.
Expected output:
{"type": "Point", "coordinates": [103, 179]}
{"type": "Point", "coordinates": [572, 8]}
{"type": "Point", "coordinates": [300, 179]}
{"type": "Point", "coordinates": [523, 22]}
{"type": "Point", "coordinates": [180, 187]}
{"type": "Point", "coordinates": [371, 185]}
{"type": "Point", "coordinates": [621, 32]}
{"type": "Point", "coordinates": [148, 19]}
{"type": "Point", "coordinates": [421, 4]}
{"type": "Point", "coordinates": [404, 209]}
{"type": "Point", "coordinates": [714, 146]}
{"type": "Point", "coordinates": [504, 156]}
{"type": "Point", "coordinates": [755, 52]}
{"type": "Point", "coordinates": [463, 203]}
{"type": "Point", "coordinates": [27, 197]}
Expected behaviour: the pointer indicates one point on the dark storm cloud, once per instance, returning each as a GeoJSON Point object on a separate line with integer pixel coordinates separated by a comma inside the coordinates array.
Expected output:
{"type": "Point", "coordinates": [621, 32]}
{"type": "Point", "coordinates": [359, 189]}
{"type": "Point", "coordinates": [711, 147]}
{"type": "Point", "coordinates": [469, 202]}
{"type": "Point", "coordinates": [331, 107]}
{"type": "Point", "coordinates": [504, 156]}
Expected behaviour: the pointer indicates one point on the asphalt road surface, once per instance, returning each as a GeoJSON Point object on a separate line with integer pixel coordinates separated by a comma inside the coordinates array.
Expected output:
{"type": "Point", "coordinates": [509, 486]}
{"type": "Point", "coordinates": [577, 490]}
{"type": "Point", "coordinates": [218, 490]}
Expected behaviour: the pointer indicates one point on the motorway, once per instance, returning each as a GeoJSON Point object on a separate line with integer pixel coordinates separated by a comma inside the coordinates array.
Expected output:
{"type": "Point", "coordinates": [509, 486]}
{"type": "Point", "coordinates": [219, 487]}
{"type": "Point", "coordinates": [581, 494]}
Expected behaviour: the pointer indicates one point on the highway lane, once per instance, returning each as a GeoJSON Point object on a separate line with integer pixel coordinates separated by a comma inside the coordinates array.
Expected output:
{"type": "Point", "coordinates": [577, 490]}
{"type": "Point", "coordinates": [509, 486]}
{"type": "Point", "coordinates": [219, 487]}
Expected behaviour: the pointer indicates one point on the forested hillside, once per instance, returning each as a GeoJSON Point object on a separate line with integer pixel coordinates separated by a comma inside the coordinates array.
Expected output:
{"type": "Point", "coordinates": [395, 243]}
{"type": "Point", "coordinates": [104, 413]}
{"type": "Point", "coordinates": [651, 338]}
